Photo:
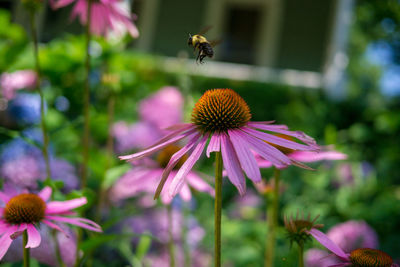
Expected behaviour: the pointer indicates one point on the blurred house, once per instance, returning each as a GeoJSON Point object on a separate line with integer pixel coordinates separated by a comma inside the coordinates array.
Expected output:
{"type": "Point", "coordinates": [296, 42]}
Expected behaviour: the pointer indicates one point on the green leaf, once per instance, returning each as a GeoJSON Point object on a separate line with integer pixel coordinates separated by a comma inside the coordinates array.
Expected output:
{"type": "Point", "coordinates": [113, 174]}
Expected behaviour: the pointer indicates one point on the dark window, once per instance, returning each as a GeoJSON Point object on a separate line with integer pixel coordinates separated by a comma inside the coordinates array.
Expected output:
{"type": "Point", "coordinates": [240, 35]}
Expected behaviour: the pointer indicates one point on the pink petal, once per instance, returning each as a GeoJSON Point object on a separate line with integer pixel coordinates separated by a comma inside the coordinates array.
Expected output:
{"type": "Point", "coordinates": [60, 3]}
{"type": "Point", "coordinates": [311, 156]}
{"type": "Point", "coordinates": [81, 222]}
{"type": "Point", "coordinates": [326, 242]}
{"type": "Point", "coordinates": [266, 151]}
{"type": "Point", "coordinates": [214, 145]}
{"type": "Point", "coordinates": [3, 197]}
{"type": "Point", "coordinates": [5, 240]}
{"type": "Point", "coordinates": [197, 183]}
{"type": "Point", "coordinates": [54, 226]}
{"type": "Point", "coordinates": [179, 179]}
{"type": "Point", "coordinates": [232, 165]}
{"type": "Point", "coordinates": [155, 148]}
{"type": "Point", "coordinates": [185, 193]}
{"type": "Point", "coordinates": [246, 157]}
{"type": "Point", "coordinates": [63, 206]}
{"type": "Point", "coordinates": [45, 193]}
{"type": "Point", "coordinates": [173, 161]}
{"type": "Point", "coordinates": [297, 134]}
{"type": "Point", "coordinates": [34, 237]}
{"type": "Point", "coordinates": [277, 140]}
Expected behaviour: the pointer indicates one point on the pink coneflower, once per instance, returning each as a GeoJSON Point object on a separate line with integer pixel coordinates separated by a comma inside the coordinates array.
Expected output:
{"type": "Point", "coordinates": [142, 179]}
{"type": "Point", "coordinates": [27, 211]}
{"type": "Point", "coordinates": [224, 117]}
{"type": "Point", "coordinates": [360, 257]}
{"type": "Point", "coordinates": [106, 15]}
{"type": "Point", "coordinates": [11, 82]}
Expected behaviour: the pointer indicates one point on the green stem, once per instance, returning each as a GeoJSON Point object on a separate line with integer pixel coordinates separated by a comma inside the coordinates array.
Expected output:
{"type": "Point", "coordinates": [272, 221]}
{"type": "Point", "coordinates": [39, 90]}
{"type": "Point", "coordinates": [86, 100]}
{"type": "Point", "coordinates": [86, 123]}
{"type": "Point", "coordinates": [301, 253]}
{"type": "Point", "coordinates": [171, 245]}
{"type": "Point", "coordinates": [217, 209]}
{"type": "Point", "coordinates": [26, 250]}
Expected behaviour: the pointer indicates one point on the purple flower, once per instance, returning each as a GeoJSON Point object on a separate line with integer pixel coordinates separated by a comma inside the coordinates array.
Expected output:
{"type": "Point", "coordinates": [361, 257]}
{"type": "Point", "coordinates": [142, 179]}
{"type": "Point", "coordinates": [45, 252]}
{"type": "Point", "coordinates": [106, 15]}
{"type": "Point", "coordinates": [11, 82]}
{"type": "Point", "coordinates": [320, 258]}
{"type": "Point", "coordinates": [351, 235]}
{"type": "Point", "coordinates": [224, 117]}
{"type": "Point", "coordinates": [157, 112]}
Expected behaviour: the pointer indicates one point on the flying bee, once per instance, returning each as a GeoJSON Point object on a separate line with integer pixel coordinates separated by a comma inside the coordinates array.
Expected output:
{"type": "Point", "coordinates": [199, 42]}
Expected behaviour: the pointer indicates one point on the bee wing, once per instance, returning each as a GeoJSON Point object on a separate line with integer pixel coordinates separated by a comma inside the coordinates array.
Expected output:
{"type": "Point", "coordinates": [205, 29]}
{"type": "Point", "coordinates": [215, 42]}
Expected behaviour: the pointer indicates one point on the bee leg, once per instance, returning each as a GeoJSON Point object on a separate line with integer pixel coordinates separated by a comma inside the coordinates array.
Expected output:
{"type": "Point", "coordinates": [201, 58]}
{"type": "Point", "coordinates": [197, 58]}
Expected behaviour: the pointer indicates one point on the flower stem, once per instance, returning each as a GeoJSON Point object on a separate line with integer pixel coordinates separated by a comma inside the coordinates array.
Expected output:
{"type": "Point", "coordinates": [171, 246]}
{"type": "Point", "coordinates": [86, 99]}
{"type": "Point", "coordinates": [272, 221]}
{"type": "Point", "coordinates": [217, 209]}
{"type": "Point", "coordinates": [301, 253]}
{"type": "Point", "coordinates": [39, 90]}
{"type": "Point", "coordinates": [26, 250]}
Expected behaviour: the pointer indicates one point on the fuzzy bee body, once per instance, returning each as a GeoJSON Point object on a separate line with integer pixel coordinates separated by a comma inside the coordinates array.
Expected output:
{"type": "Point", "coordinates": [200, 43]}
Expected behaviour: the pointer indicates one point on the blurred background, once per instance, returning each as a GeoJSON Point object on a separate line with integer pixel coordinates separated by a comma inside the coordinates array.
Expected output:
{"type": "Point", "coordinates": [329, 68]}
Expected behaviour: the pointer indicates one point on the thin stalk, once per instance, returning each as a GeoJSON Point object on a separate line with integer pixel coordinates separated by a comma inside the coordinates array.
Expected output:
{"type": "Point", "coordinates": [272, 222]}
{"type": "Point", "coordinates": [39, 90]}
{"type": "Point", "coordinates": [86, 100]}
{"type": "Point", "coordinates": [86, 119]}
{"type": "Point", "coordinates": [171, 245]}
{"type": "Point", "coordinates": [26, 250]}
{"type": "Point", "coordinates": [218, 209]}
{"type": "Point", "coordinates": [301, 253]}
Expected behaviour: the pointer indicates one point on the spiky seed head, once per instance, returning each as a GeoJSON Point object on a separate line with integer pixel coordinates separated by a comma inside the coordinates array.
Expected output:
{"type": "Point", "coordinates": [24, 208]}
{"type": "Point", "coordinates": [219, 110]}
{"type": "Point", "coordinates": [297, 228]}
{"type": "Point", "coordinates": [368, 257]}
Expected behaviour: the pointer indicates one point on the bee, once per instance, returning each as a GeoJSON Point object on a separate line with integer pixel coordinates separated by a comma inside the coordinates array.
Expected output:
{"type": "Point", "coordinates": [198, 41]}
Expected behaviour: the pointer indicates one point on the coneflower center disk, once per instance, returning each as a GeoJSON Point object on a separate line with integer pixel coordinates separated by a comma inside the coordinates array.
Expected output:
{"type": "Point", "coordinates": [165, 155]}
{"type": "Point", "coordinates": [368, 257]}
{"type": "Point", "coordinates": [24, 208]}
{"type": "Point", "coordinates": [219, 110]}
{"type": "Point", "coordinates": [296, 230]}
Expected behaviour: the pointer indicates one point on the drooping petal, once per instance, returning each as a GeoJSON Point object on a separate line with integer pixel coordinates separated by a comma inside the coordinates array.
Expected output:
{"type": "Point", "coordinates": [311, 156]}
{"type": "Point", "coordinates": [297, 134]}
{"type": "Point", "coordinates": [5, 240]}
{"type": "Point", "coordinates": [277, 140]}
{"type": "Point", "coordinates": [54, 226]}
{"type": "Point", "coordinates": [185, 193]}
{"type": "Point", "coordinates": [81, 222]}
{"type": "Point", "coordinates": [155, 148]}
{"type": "Point", "coordinates": [266, 151]}
{"type": "Point", "coordinates": [179, 179]}
{"type": "Point", "coordinates": [173, 161]}
{"type": "Point", "coordinates": [45, 193]}
{"type": "Point", "coordinates": [60, 3]}
{"type": "Point", "coordinates": [57, 207]}
{"type": "Point", "coordinates": [232, 165]}
{"type": "Point", "coordinates": [214, 145]}
{"type": "Point", "coordinates": [34, 237]}
{"type": "Point", "coordinates": [326, 242]}
{"type": "Point", "coordinates": [199, 184]}
{"type": "Point", "coordinates": [246, 157]}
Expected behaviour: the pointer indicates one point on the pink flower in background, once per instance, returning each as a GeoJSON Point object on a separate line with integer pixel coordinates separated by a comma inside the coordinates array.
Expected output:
{"type": "Point", "coordinates": [11, 82]}
{"type": "Point", "coordinates": [363, 257]}
{"type": "Point", "coordinates": [224, 117]}
{"type": "Point", "coordinates": [353, 234]}
{"type": "Point", "coordinates": [163, 108]}
{"type": "Point", "coordinates": [348, 236]}
{"type": "Point", "coordinates": [23, 172]}
{"type": "Point", "coordinates": [45, 252]}
{"type": "Point", "coordinates": [27, 211]}
{"type": "Point", "coordinates": [157, 112]}
{"type": "Point", "coordinates": [106, 16]}
{"type": "Point", "coordinates": [143, 178]}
